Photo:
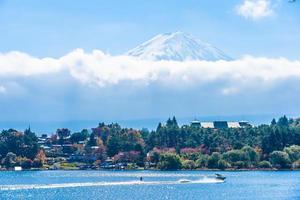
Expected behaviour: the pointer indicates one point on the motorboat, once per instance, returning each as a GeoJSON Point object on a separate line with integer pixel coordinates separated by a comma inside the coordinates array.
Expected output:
{"type": "Point", "coordinates": [220, 177]}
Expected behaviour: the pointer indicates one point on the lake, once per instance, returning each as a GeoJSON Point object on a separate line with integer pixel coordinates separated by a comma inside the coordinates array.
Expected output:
{"type": "Point", "coordinates": [117, 185]}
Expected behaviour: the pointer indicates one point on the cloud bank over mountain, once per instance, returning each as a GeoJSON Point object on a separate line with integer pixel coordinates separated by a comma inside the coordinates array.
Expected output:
{"type": "Point", "coordinates": [95, 85]}
{"type": "Point", "coordinates": [100, 70]}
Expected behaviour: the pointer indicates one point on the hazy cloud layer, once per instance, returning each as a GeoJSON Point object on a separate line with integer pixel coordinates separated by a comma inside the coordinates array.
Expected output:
{"type": "Point", "coordinates": [84, 85]}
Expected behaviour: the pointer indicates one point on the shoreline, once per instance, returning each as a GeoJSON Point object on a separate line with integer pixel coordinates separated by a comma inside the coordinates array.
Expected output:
{"type": "Point", "coordinates": [143, 170]}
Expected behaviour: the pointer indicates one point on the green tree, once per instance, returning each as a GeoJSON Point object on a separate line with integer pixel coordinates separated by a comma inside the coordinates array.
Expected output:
{"type": "Point", "coordinates": [10, 160]}
{"type": "Point", "coordinates": [169, 161]}
{"type": "Point", "coordinates": [264, 164]}
{"type": "Point", "coordinates": [63, 133]}
{"type": "Point", "coordinates": [250, 155]}
{"type": "Point", "coordinates": [296, 123]}
{"type": "Point", "coordinates": [234, 156]}
{"type": "Point", "coordinates": [223, 164]}
{"type": "Point", "coordinates": [22, 144]}
{"type": "Point", "coordinates": [30, 148]}
{"type": "Point", "coordinates": [3, 149]}
{"type": "Point", "coordinates": [280, 159]}
{"type": "Point", "coordinates": [26, 163]}
{"type": "Point", "coordinates": [201, 162]}
{"type": "Point", "coordinates": [293, 152]}
{"type": "Point", "coordinates": [213, 160]}
{"type": "Point", "coordinates": [37, 163]}
{"type": "Point", "coordinates": [273, 139]}
{"type": "Point", "coordinates": [79, 136]}
{"type": "Point", "coordinates": [92, 140]}
{"type": "Point", "coordinates": [113, 145]}
{"type": "Point", "coordinates": [273, 122]}
{"type": "Point", "coordinates": [188, 164]}
{"type": "Point", "coordinates": [283, 121]}
{"type": "Point", "coordinates": [296, 164]}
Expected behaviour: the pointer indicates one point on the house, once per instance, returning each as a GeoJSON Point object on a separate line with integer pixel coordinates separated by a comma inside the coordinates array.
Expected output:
{"type": "Point", "coordinates": [195, 123]}
{"type": "Point", "coordinates": [43, 139]}
{"type": "Point", "coordinates": [207, 125]}
{"type": "Point", "coordinates": [233, 125]}
{"type": "Point", "coordinates": [221, 124]}
{"type": "Point", "coordinates": [107, 164]}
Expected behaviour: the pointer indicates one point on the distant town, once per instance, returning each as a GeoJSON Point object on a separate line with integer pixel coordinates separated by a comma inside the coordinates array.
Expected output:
{"type": "Point", "coordinates": [225, 145]}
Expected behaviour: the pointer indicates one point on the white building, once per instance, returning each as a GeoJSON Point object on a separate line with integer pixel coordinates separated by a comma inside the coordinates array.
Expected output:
{"type": "Point", "coordinates": [220, 124]}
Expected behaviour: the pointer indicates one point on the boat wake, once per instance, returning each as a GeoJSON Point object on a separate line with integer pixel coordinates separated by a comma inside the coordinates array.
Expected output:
{"type": "Point", "coordinates": [94, 184]}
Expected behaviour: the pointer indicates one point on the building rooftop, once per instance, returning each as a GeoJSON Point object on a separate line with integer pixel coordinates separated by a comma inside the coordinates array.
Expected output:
{"type": "Point", "coordinates": [221, 124]}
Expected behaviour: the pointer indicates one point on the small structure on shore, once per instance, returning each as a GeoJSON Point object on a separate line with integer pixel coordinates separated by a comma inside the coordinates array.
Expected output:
{"type": "Point", "coordinates": [18, 168]}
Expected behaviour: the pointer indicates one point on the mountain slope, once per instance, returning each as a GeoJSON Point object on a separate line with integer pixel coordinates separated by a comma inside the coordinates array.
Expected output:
{"type": "Point", "coordinates": [177, 46]}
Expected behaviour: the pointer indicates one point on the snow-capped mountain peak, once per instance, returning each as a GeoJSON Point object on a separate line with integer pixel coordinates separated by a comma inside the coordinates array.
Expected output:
{"type": "Point", "coordinates": [177, 46]}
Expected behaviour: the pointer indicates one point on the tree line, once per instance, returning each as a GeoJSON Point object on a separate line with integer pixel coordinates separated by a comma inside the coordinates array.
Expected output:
{"type": "Point", "coordinates": [170, 146]}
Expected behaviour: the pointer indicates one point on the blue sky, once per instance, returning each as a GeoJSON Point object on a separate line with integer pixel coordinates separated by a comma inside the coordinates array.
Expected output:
{"type": "Point", "coordinates": [55, 27]}
{"type": "Point", "coordinates": [59, 59]}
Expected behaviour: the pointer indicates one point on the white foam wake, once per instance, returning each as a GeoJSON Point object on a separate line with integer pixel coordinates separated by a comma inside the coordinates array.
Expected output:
{"type": "Point", "coordinates": [136, 174]}
{"type": "Point", "coordinates": [94, 184]}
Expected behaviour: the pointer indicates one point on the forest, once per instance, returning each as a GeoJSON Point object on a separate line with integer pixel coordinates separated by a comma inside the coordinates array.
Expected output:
{"type": "Point", "coordinates": [169, 147]}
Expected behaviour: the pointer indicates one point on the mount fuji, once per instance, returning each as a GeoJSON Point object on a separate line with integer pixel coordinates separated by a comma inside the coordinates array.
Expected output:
{"type": "Point", "coordinates": [177, 46]}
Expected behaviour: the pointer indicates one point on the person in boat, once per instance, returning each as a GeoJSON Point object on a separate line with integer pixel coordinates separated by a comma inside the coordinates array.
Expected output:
{"type": "Point", "coordinates": [220, 177]}
{"type": "Point", "coordinates": [184, 181]}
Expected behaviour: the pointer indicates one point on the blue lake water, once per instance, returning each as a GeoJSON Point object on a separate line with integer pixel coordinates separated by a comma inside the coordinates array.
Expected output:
{"type": "Point", "coordinates": [71, 185]}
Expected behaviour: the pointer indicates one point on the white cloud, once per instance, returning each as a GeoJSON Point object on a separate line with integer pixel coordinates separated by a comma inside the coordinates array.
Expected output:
{"type": "Point", "coordinates": [17, 63]}
{"type": "Point", "coordinates": [101, 70]}
{"type": "Point", "coordinates": [83, 85]}
{"type": "Point", "coordinates": [255, 9]}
